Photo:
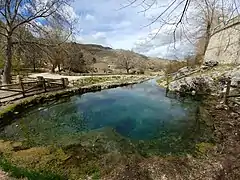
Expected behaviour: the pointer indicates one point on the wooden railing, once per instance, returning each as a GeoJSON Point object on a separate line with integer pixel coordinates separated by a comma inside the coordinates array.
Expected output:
{"type": "Point", "coordinates": [29, 88]}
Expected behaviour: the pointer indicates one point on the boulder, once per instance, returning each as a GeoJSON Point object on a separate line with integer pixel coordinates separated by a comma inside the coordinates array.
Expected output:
{"type": "Point", "coordinates": [182, 72]}
{"type": "Point", "coordinates": [235, 76]}
{"type": "Point", "coordinates": [198, 85]}
{"type": "Point", "coordinates": [211, 63]}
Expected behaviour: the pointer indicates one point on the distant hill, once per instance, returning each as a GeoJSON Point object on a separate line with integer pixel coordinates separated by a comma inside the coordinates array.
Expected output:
{"type": "Point", "coordinates": [111, 56]}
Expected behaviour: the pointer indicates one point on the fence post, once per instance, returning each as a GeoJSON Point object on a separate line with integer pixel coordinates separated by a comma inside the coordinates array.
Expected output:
{"type": "Point", "coordinates": [44, 85]}
{"type": "Point", "coordinates": [21, 85]}
{"type": "Point", "coordinates": [167, 88]}
{"type": "Point", "coordinates": [40, 80]}
{"type": "Point", "coordinates": [227, 91]}
{"type": "Point", "coordinates": [66, 82]}
{"type": "Point", "coordinates": [63, 83]}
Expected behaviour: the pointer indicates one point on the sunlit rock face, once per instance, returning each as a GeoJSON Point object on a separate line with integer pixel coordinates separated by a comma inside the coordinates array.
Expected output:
{"type": "Point", "coordinates": [203, 84]}
{"type": "Point", "coordinates": [224, 45]}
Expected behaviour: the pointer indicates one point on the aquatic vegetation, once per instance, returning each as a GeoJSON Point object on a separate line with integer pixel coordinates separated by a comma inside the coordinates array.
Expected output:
{"type": "Point", "coordinates": [95, 153]}
{"type": "Point", "coordinates": [204, 147]}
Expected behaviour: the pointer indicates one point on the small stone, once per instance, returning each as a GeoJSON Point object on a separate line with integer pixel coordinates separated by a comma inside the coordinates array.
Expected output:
{"type": "Point", "coordinates": [16, 144]}
{"type": "Point", "coordinates": [226, 107]}
{"type": "Point", "coordinates": [193, 93]}
{"type": "Point", "coordinates": [234, 115]}
{"type": "Point", "coordinates": [220, 107]}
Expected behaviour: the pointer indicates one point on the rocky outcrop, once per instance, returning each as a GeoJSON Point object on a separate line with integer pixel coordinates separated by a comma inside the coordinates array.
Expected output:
{"type": "Point", "coordinates": [182, 72]}
{"type": "Point", "coordinates": [235, 76]}
{"type": "Point", "coordinates": [200, 85]}
{"type": "Point", "coordinates": [212, 80]}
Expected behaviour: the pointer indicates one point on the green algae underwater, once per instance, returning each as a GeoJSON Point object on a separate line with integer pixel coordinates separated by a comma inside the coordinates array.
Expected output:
{"type": "Point", "coordinates": [86, 136]}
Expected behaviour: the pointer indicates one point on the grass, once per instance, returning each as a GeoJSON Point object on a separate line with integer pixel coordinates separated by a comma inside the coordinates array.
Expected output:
{"type": "Point", "coordinates": [96, 80]}
{"type": "Point", "coordinates": [9, 108]}
{"type": "Point", "coordinates": [17, 172]}
{"type": "Point", "coordinates": [162, 82]}
{"type": "Point", "coordinates": [203, 148]}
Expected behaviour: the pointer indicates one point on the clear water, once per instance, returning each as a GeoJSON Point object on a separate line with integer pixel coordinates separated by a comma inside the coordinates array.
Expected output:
{"type": "Point", "coordinates": [140, 112]}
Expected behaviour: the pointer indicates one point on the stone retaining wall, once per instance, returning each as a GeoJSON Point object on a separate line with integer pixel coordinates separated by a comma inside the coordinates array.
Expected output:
{"type": "Point", "coordinates": [224, 45]}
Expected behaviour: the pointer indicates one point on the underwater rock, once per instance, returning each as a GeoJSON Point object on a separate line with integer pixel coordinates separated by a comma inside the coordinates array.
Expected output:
{"type": "Point", "coordinates": [106, 140]}
{"type": "Point", "coordinates": [102, 148]}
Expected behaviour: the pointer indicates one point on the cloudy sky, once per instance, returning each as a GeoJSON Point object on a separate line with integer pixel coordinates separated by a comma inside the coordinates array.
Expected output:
{"type": "Point", "coordinates": [103, 22]}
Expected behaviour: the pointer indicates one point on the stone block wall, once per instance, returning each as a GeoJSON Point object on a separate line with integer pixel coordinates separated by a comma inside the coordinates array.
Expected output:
{"type": "Point", "coordinates": [224, 45]}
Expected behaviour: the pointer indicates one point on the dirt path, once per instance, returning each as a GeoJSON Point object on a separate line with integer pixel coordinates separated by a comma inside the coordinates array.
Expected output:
{"type": "Point", "coordinates": [58, 76]}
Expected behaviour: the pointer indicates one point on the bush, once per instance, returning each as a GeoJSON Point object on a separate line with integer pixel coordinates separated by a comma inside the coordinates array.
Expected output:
{"type": "Point", "coordinates": [174, 66]}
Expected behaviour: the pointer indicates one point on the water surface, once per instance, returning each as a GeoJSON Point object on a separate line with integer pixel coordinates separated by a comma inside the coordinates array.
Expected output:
{"type": "Point", "coordinates": [140, 113]}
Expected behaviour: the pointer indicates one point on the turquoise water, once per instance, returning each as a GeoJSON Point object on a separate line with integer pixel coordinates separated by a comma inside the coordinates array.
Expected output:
{"type": "Point", "coordinates": [140, 113]}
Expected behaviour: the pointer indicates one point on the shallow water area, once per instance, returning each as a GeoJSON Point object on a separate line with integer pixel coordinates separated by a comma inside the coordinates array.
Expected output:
{"type": "Point", "coordinates": [140, 113]}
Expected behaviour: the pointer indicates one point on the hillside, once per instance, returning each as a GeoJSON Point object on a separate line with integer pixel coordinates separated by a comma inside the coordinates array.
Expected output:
{"type": "Point", "coordinates": [112, 56]}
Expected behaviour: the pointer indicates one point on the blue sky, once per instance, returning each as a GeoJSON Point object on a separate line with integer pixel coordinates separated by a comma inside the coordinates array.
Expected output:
{"type": "Point", "coordinates": [101, 22]}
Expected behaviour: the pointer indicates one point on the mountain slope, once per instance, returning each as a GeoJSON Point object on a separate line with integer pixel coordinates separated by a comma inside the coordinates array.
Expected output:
{"type": "Point", "coordinates": [111, 56]}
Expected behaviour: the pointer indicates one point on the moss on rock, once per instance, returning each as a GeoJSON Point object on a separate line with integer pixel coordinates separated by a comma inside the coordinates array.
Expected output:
{"type": "Point", "coordinates": [95, 154]}
{"type": "Point", "coordinates": [204, 147]}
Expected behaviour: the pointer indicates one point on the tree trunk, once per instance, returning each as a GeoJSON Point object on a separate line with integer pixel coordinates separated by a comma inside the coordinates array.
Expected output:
{"type": "Point", "coordinates": [8, 61]}
{"type": "Point", "coordinates": [53, 68]}
{"type": "Point", "coordinates": [208, 36]}
{"type": "Point", "coordinates": [127, 71]}
{"type": "Point", "coordinates": [34, 65]}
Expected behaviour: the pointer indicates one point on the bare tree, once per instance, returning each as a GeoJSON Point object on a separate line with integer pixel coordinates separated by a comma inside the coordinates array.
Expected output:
{"type": "Point", "coordinates": [75, 60]}
{"type": "Point", "coordinates": [30, 14]}
{"type": "Point", "coordinates": [125, 60]}
{"type": "Point", "coordinates": [208, 16]}
{"type": "Point", "coordinates": [177, 14]}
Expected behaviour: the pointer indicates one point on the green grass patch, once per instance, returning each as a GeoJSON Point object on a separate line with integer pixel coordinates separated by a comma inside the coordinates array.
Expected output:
{"type": "Point", "coordinates": [7, 109]}
{"type": "Point", "coordinates": [17, 172]}
{"type": "Point", "coordinates": [203, 148]}
{"type": "Point", "coordinates": [96, 80]}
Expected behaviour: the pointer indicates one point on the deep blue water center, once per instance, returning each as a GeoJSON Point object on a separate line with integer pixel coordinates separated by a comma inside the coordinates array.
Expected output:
{"type": "Point", "coordinates": [138, 112]}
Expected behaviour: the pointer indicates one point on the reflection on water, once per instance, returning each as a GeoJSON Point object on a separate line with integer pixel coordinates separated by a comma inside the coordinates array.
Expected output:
{"type": "Point", "coordinates": [139, 112]}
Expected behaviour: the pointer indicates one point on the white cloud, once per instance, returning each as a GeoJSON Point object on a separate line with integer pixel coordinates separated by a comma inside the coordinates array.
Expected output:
{"type": "Point", "coordinates": [99, 35]}
{"type": "Point", "coordinates": [89, 17]}
{"type": "Point", "coordinates": [103, 23]}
